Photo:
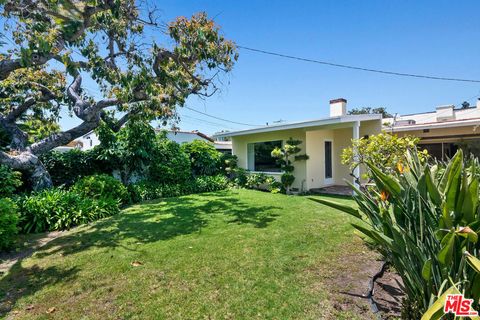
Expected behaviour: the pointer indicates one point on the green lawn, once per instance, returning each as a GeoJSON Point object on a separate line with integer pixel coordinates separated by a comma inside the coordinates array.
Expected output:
{"type": "Point", "coordinates": [226, 255]}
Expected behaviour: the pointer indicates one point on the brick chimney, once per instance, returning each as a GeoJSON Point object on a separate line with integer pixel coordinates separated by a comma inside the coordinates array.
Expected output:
{"type": "Point", "coordinates": [338, 107]}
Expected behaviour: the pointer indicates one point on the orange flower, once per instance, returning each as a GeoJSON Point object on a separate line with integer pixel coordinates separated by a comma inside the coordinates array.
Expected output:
{"type": "Point", "coordinates": [384, 195]}
{"type": "Point", "coordinates": [400, 167]}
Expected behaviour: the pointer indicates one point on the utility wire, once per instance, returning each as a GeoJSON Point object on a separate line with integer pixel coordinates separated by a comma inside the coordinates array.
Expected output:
{"type": "Point", "coordinates": [358, 68]}
{"type": "Point", "coordinates": [214, 117]}
{"type": "Point", "coordinates": [207, 122]}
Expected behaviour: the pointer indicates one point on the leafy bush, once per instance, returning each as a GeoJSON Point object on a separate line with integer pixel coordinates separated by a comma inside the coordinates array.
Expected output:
{"type": "Point", "coordinates": [384, 150]}
{"type": "Point", "coordinates": [8, 223]}
{"type": "Point", "coordinates": [67, 167]}
{"type": "Point", "coordinates": [171, 164]}
{"type": "Point", "coordinates": [255, 180]}
{"type": "Point", "coordinates": [240, 177]}
{"type": "Point", "coordinates": [425, 220]}
{"type": "Point", "coordinates": [57, 209]}
{"type": "Point", "coordinates": [129, 150]}
{"type": "Point", "coordinates": [101, 186]}
{"type": "Point", "coordinates": [149, 190]}
{"type": "Point", "coordinates": [228, 164]}
{"type": "Point", "coordinates": [204, 158]}
{"type": "Point", "coordinates": [9, 181]}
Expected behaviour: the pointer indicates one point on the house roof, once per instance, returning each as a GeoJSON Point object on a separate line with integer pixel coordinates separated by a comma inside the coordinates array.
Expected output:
{"type": "Point", "coordinates": [430, 120]}
{"type": "Point", "coordinates": [194, 132]}
{"type": "Point", "coordinates": [435, 125]}
{"type": "Point", "coordinates": [303, 124]}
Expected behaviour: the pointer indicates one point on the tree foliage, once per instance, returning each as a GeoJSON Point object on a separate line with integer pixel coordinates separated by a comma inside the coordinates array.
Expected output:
{"type": "Point", "coordinates": [59, 45]}
{"type": "Point", "coordinates": [383, 150]}
{"type": "Point", "coordinates": [367, 110]}
{"type": "Point", "coordinates": [204, 158]}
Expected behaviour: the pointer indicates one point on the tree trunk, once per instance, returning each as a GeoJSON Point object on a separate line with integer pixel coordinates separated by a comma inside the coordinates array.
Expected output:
{"type": "Point", "coordinates": [39, 177]}
{"type": "Point", "coordinates": [29, 164]}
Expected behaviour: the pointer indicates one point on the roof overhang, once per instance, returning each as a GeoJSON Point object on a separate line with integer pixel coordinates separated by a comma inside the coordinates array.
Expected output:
{"type": "Point", "coordinates": [438, 125]}
{"type": "Point", "coordinates": [310, 124]}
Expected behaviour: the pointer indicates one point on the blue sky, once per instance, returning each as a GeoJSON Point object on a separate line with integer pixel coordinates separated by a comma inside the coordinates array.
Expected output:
{"type": "Point", "coordinates": [425, 37]}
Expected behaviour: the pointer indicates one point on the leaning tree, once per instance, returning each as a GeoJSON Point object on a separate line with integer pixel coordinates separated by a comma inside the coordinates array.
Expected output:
{"type": "Point", "coordinates": [53, 51]}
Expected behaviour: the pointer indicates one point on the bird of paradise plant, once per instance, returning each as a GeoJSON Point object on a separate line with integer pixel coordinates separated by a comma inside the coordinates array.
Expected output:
{"type": "Point", "coordinates": [424, 219]}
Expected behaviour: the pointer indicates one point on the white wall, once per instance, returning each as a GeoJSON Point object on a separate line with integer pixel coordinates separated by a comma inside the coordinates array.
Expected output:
{"type": "Point", "coordinates": [89, 141]}
{"type": "Point", "coordinates": [181, 137]}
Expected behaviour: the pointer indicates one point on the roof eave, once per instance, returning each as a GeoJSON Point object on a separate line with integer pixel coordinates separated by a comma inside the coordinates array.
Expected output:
{"type": "Point", "coordinates": [303, 124]}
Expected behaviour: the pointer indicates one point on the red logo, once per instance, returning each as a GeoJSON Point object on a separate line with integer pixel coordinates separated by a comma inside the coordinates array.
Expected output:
{"type": "Point", "coordinates": [459, 306]}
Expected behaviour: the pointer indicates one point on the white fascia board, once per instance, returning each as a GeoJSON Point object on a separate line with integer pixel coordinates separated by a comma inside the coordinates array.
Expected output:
{"type": "Point", "coordinates": [303, 124]}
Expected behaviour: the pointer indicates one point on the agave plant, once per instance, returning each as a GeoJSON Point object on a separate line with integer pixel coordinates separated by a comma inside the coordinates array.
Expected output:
{"type": "Point", "coordinates": [425, 221]}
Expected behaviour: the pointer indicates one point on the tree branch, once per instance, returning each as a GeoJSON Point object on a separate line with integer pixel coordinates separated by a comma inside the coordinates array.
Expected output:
{"type": "Point", "coordinates": [47, 95]}
{"type": "Point", "coordinates": [19, 110]}
{"type": "Point", "coordinates": [19, 138]}
{"type": "Point", "coordinates": [7, 66]}
{"type": "Point", "coordinates": [62, 138]}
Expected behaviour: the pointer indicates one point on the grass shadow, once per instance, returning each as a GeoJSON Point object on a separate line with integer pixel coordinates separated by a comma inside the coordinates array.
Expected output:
{"type": "Point", "coordinates": [143, 223]}
{"type": "Point", "coordinates": [22, 282]}
{"type": "Point", "coordinates": [160, 220]}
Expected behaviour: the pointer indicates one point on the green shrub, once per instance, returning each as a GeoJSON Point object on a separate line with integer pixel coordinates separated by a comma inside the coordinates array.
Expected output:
{"type": "Point", "coordinates": [171, 164]}
{"type": "Point", "coordinates": [425, 220]}
{"type": "Point", "coordinates": [57, 209]}
{"type": "Point", "coordinates": [101, 186]}
{"type": "Point", "coordinates": [204, 158]}
{"type": "Point", "coordinates": [240, 177]}
{"type": "Point", "coordinates": [67, 167]}
{"type": "Point", "coordinates": [9, 181]}
{"type": "Point", "coordinates": [255, 180]}
{"type": "Point", "coordinates": [274, 186]}
{"type": "Point", "coordinates": [228, 164]}
{"type": "Point", "coordinates": [8, 223]}
{"type": "Point", "coordinates": [149, 190]}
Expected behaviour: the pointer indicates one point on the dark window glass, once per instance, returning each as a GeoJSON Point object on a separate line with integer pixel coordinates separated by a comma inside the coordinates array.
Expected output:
{"type": "Point", "coordinates": [262, 156]}
{"type": "Point", "coordinates": [328, 159]}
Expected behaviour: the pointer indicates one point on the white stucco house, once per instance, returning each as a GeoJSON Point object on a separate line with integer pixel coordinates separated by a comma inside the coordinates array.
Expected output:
{"type": "Point", "coordinates": [323, 141]}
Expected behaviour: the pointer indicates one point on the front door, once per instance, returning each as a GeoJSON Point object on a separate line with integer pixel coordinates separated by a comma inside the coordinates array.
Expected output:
{"type": "Point", "coordinates": [328, 162]}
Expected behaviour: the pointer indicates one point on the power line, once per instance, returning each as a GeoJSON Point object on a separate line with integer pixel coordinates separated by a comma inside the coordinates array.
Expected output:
{"type": "Point", "coordinates": [358, 68]}
{"type": "Point", "coordinates": [208, 122]}
{"type": "Point", "coordinates": [234, 122]}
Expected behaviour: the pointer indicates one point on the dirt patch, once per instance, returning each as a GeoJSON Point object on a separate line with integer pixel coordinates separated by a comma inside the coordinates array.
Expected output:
{"type": "Point", "coordinates": [388, 295]}
{"type": "Point", "coordinates": [349, 285]}
{"type": "Point", "coordinates": [28, 246]}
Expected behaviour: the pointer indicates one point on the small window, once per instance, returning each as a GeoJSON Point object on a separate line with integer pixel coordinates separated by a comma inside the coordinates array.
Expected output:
{"type": "Point", "coordinates": [328, 159]}
{"type": "Point", "coordinates": [260, 156]}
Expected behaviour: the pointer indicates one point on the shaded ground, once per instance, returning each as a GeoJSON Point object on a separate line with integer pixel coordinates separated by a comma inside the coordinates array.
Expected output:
{"type": "Point", "coordinates": [388, 295]}
{"type": "Point", "coordinates": [224, 255]}
{"type": "Point", "coordinates": [26, 247]}
{"type": "Point", "coordinates": [349, 284]}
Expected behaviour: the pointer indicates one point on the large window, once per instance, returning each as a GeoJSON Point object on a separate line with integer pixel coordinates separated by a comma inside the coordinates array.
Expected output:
{"type": "Point", "coordinates": [260, 156]}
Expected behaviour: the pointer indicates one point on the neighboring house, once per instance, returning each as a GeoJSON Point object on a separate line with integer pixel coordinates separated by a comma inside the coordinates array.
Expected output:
{"type": "Point", "coordinates": [442, 131]}
{"type": "Point", "coordinates": [70, 146]}
{"type": "Point", "coordinates": [189, 136]}
{"type": "Point", "coordinates": [323, 141]}
{"type": "Point", "coordinates": [90, 140]}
